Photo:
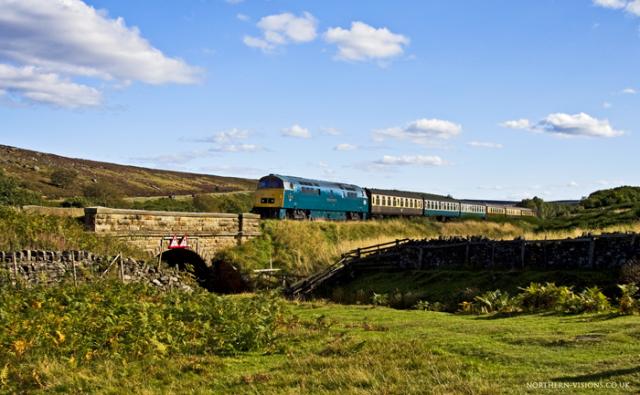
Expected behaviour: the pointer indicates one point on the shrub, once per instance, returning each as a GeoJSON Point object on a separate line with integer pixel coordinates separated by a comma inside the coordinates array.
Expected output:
{"type": "Point", "coordinates": [380, 299]}
{"type": "Point", "coordinates": [63, 178]}
{"type": "Point", "coordinates": [592, 300]}
{"type": "Point", "coordinates": [630, 272]}
{"type": "Point", "coordinates": [78, 202]}
{"type": "Point", "coordinates": [491, 302]}
{"type": "Point", "coordinates": [538, 297]}
{"type": "Point", "coordinates": [627, 303]}
{"type": "Point", "coordinates": [102, 194]}
{"type": "Point", "coordinates": [228, 203]}
{"type": "Point", "coordinates": [12, 194]}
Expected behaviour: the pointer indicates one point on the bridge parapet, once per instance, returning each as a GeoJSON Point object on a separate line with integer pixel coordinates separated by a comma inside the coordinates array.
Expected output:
{"type": "Point", "coordinates": [148, 230]}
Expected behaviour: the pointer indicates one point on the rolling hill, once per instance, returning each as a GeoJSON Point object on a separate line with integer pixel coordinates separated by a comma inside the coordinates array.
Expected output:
{"type": "Point", "coordinates": [33, 169]}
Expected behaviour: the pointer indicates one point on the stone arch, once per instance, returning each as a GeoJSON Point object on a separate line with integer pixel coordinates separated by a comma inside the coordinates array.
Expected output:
{"type": "Point", "coordinates": [189, 261]}
{"type": "Point", "coordinates": [221, 277]}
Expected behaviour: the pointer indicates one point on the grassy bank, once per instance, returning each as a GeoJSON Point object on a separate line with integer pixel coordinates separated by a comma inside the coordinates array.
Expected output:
{"type": "Point", "coordinates": [150, 343]}
{"type": "Point", "coordinates": [303, 248]}
{"type": "Point", "coordinates": [21, 230]}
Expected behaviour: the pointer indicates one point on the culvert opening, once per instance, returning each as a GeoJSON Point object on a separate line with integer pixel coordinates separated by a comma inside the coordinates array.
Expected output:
{"type": "Point", "coordinates": [221, 277]}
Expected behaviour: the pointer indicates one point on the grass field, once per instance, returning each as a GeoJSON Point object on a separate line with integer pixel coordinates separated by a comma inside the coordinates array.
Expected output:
{"type": "Point", "coordinates": [333, 349]}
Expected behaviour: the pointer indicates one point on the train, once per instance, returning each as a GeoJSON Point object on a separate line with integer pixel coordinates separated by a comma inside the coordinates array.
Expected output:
{"type": "Point", "coordinates": [289, 197]}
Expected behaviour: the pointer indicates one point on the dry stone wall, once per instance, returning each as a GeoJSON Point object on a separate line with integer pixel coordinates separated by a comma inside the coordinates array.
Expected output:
{"type": "Point", "coordinates": [603, 252]}
{"type": "Point", "coordinates": [151, 231]}
{"type": "Point", "coordinates": [29, 268]}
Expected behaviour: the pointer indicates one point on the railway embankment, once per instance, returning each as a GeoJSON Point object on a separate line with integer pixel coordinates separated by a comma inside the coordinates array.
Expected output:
{"type": "Point", "coordinates": [447, 270]}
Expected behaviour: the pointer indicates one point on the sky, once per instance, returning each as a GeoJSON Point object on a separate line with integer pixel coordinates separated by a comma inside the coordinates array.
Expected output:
{"type": "Point", "coordinates": [493, 99]}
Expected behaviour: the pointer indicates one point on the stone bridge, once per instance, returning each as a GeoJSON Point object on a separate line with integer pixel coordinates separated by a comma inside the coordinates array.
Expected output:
{"type": "Point", "coordinates": [152, 231]}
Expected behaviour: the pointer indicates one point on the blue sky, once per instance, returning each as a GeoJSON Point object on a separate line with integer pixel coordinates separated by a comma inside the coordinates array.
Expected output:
{"type": "Point", "coordinates": [492, 99]}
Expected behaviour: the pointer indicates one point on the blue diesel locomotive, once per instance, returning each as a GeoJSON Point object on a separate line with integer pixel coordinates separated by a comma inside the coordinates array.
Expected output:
{"type": "Point", "coordinates": [286, 197]}
{"type": "Point", "coordinates": [300, 198]}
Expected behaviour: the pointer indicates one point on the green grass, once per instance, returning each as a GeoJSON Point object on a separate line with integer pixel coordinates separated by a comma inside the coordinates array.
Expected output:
{"type": "Point", "coordinates": [322, 348]}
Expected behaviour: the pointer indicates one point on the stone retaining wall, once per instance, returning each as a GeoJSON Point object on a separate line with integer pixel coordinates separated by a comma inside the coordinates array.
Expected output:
{"type": "Point", "coordinates": [590, 252]}
{"type": "Point", "coordinates": [27, 268]}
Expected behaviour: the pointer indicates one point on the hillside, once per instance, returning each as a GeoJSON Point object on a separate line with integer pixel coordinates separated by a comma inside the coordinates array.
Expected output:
{"type": "Point", "coordinates": [33, 169]}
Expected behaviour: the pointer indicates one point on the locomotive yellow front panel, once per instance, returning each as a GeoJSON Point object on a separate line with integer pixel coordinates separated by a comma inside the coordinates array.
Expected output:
{"type": "Point", "coordinates": [273, 198]}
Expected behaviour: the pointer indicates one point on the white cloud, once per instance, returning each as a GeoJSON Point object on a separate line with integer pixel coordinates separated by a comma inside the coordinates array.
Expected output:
{"type": "Point", "coordinates": [29, 84]}
{"type": "Point", "coordinates": [410, 160]}
{"type": "Point", "coordinates": [573, 184]}
{"type": "Point", "coordinates": [234, 2]}
{"type": "Point", "coordinates": [568, 125]}
{"type": "Point", "coordinates": [485, 144]}
{"type": "Point", "coordinates": [243, 17]}
{"type": "Point", "coordinates": [363, 42]}
{"type": "Point", "coordinates": [237, 148]}
{"type": "Point", "coordinates": [421, 131]}
{"type": "Point", "coordinates": [282, 29]}
{"type": "Point", "coordinates": [517, 124]}
{"type": "Point", "coordinates": [296, 131]}
{"type": "Point", "coordinates": [629, 91]}
{"type": "Point", "coordinates": [615, 4]}
{"type": "Point", "coordinates": [634, 7]}
{"type": "Point", "coordinates": [630, 6]}
{"type": "Point", "coordinates": [68, 38]}
{"type": "Point", "coordinates": [607, 105]}
{"type": "Point", "coordinates": [345, 147]}
{"type": "Point", "coordinates": [233, 134]}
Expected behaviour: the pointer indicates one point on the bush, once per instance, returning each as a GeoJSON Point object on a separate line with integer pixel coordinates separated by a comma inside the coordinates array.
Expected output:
{"type": "Point", "coordinates": [380, 299]}
{"type": "Point", "coordinates": [627, 303]}
{"type": "Point", "coordinates": [12, 194]}
{"type": "Point", "coordinates": [228, 203]}
{"type": "Point", "coordinates": [630, 272]}
{"type": "Point", "coordinates": [101, 194]}
{"type": "Point", "coordinates": [77, 202]}
{"type": "Point", "coordinates": [63, 178]}
{"type": "Point", "coordinates": [538, 297]}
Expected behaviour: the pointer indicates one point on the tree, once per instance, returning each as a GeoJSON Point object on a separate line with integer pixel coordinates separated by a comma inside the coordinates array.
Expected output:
{"type": "Point", "coordinates": [12, 194]}
{"type": "Point", "coordinates": [63, 178]}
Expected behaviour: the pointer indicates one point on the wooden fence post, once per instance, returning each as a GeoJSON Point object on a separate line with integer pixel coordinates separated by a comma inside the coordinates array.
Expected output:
{"type": "Point", "coordinates": [15, 270]}
{"type": "Point", "coordinates": [75, 277]}
{"type": "Point", "coordinates": [121, 268]}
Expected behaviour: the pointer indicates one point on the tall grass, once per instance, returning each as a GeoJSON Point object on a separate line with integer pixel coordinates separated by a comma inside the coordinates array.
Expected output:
{"type": "Point", "coordinates": [303, 247]}
{"type": "Point", "coordinates": [22, 230]}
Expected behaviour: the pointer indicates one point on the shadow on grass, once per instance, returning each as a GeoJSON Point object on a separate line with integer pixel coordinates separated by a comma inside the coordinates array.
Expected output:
{"type": "Point", "coordinates": [607, 374]}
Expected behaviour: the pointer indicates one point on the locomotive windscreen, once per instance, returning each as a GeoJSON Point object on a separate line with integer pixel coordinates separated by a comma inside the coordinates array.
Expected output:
{"type": "Point", "coordinates": [270, 182]}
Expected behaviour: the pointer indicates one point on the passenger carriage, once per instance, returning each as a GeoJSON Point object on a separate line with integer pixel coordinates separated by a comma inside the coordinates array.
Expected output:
{"type": "Point", "coordinates": [392, 203]}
